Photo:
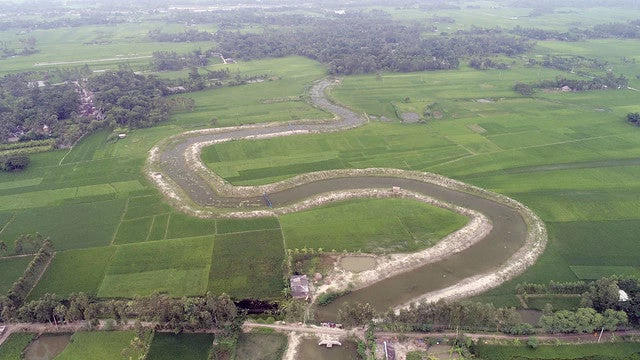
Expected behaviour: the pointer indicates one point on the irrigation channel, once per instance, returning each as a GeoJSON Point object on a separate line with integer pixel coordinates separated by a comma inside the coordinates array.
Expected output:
{"type": "Point", "coordinates": [466, 263]}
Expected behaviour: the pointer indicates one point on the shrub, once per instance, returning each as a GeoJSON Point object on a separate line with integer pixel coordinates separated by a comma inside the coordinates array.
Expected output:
{"type": "Point", "coordinates": [328, 297]}
{"type": "Point", "coordinates": [14, 162]}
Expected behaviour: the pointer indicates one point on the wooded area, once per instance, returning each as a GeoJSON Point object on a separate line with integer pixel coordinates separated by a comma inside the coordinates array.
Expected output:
{"type": "Point", "coordinates": [368, 42]}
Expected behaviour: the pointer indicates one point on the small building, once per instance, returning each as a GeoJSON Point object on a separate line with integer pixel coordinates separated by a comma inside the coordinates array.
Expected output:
{"type": "Point", "coordinates": [623, 296]}
{"type": "Point", "coordinates": [299, 287]}
{"type": "Point", "coordinates": [122, 136]}
{"type": "Point", "coordinates": [2, 329]}
{"type": "Point", "coordinates": [566, 89]}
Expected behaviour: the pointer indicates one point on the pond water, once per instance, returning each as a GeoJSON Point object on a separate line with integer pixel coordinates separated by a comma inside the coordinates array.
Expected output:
{"type": "Point", "coordinates": [47, 346]}
{"type": "Point", "coordinates": [357, 264]}
{"type": "Point", "coordinates": [310, 350]}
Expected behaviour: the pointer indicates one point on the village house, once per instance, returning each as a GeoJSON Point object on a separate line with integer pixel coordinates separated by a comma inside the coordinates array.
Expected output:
{"type": "Point", "coordinates": [299, 287]}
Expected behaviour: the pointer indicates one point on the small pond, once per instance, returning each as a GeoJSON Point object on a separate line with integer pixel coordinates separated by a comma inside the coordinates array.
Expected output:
{"type": "Point", "coordinates": [47, 346]}
{"type": "Point", "coordinates": [310, 350]}
{"type": "Point", "coordinates": [357, 263]}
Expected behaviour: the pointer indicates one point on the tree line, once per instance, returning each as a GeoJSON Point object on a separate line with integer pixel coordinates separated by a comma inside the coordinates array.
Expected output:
{"type": "Point", "coordinates": [606, 82]}
{"type": "Point", "coordinates": [14, 300]}
{"type": "Point", "coordinates": [601, 295]}
{"type": "Point", "coordinates": [187, 313]}
{"type": "Point", "coordinates": [368, 42]}
{"type": "Point", "coordinates": [613, 30]}
{"type": "Point", "coordinates": [467, 315]}
{"type": "Point", "coordinates": [441, 315]}
{"type": "Point", "coordinates": [171, 60]}
{"type": "Point", "coordinates": [185, 36]}
{"type": "Point", "coordinates": [175, 314]}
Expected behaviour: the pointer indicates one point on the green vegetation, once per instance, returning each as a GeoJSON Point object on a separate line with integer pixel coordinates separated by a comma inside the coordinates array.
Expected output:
{"type": "Point", "coordinates": [11, 269]}
{"type": "Point", "coordinates": [328, 297]}
{"type": "Point", "coordinates": [142, 206]}
{"type": "Point", "coordinates": [101, 345]}
{"type": "Point", "coordinates": [69, 226]}
{"type": "Point", "coordinates": [133, 231]}
{"type": "Point", "coordinates": [178, 267]}
{"type": "Point", "coordinates": [388, 225]}
{"type": "Point", "coordinates": [86, 266]}
{"type": "Point", "coordinates": [228, 226]}
{"type": "Point", "coordinates": [259, 275]}
{"type": "Point", "coordinates": [21, 288]}
{"type": "Point", "coordinates": [597, 272]}
{"type": "Point", "coordinates": [12, 348]}
{"type": "Point", "coordinates": [181, 225]}
{"type": "Point", "coordinates": [259, 102]}
{"type": "Point", "coordinates": [159, 227]}
{"type": "Point", "coordinates": [168, 346]}
{"type": "Point", "coordinates": [14, 162]}
{"type": "Point", "coordinates": [559, 302]}
{"type": "Point", "coordinates": [613, 351]}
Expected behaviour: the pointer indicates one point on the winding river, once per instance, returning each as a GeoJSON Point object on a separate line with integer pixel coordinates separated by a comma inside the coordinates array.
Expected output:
{"type": "Point", "coordinates": [516, 236]}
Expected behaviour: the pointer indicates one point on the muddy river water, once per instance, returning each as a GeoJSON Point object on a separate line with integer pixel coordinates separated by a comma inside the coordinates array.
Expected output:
{"type": "Point", "coordinates": [508, 234]}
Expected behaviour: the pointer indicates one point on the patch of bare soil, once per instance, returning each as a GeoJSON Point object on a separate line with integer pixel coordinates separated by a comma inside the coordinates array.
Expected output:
{"type": "Point", "coordinates": [292, 346]}
{"type": "Point", "coordinates": [410, 118]}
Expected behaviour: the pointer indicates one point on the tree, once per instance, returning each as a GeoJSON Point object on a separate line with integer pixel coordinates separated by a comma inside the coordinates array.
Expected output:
{"type": "Point", "coordinates": [18, 246]}
{"type": "Point", "coordinates": [612, 319]}
{"type": "Point", "coordinates": [139, 345]}
{"type": "Point", "coordinates": [60, 313]}
{"type": "Point", "coordinates": [633, 309]}
{"type": "Point", "coordinates": [532, 342]}
{"type": "Point", "coordinates": [523, 89]}
{"type": "Point", "coordinates": [634, 118]}
{"type": "Point", "coordinates": [355, 315]}
{"type": "Point", "coordinates": [78, 305]}
{"type": "Point", "coordinates": [605, 294]}
{"type": "Point", "coordinates": [3, 248]}
{"type": "Point", "coordinates": [293, 310]}
{"type": "Point", "coordinates": [14, 162]}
